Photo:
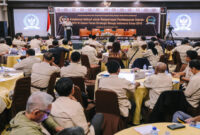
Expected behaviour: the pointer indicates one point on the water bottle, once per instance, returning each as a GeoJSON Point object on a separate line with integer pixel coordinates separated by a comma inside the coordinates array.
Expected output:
{"type": "Point", "coordinates": [154, 131]}
{"type": "Point", "coordinates": [144, 67]}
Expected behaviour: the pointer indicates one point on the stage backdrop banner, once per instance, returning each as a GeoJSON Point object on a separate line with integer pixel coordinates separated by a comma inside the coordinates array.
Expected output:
{"type": "Point", "coordinates": [145, 20]}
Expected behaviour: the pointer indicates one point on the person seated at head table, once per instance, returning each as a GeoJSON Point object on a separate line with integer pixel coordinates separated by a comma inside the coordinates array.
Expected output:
{"type": "Point", "coordinates": [36, 42]}
{"type": "Point", "coordinates": [116, 51]}
{"type": "Point", "coordinates": [27, 63]}
{"type": "Point", "coordinates": [110, 42]}
{"type": "Point", "coordinates": [19, 42]}
{"type": "Point", "coordinates": [120, 86]}
{"type": "Point", "coordinates": [182, 49]}
{"type": "Point", "coordinates": [41, 72]}
{"type": "Point", "coordinates": [95, 43]}
{"type": "Point", "coordinates": [186, 74]}
{"type": "Point", "coordinates": [68, 112]}
{"type": "Point", "coordinates": [197, 48]}
{"type": "Point", "coordinates": [179, 115]}
{"type": "Point", "coordinates": [72, 131]}
{"type": "Point", "coordinates": [49, 41]}
{"type": "Point", "coordinates": [38, 108]}
{"type": "Point", "coordinates": [57, 51]}
{"type": "Point", "coordinates": [192, 91]}
{"type": "Point", "coordinates": [87, 42]}
{"type": "Point", "coordinates": [152, 54]}
{"type": "Point", "coordinates": [4, 48]}
{"type": "Point", "coordinates": [75, 69]}
{"type": "Point", "coordinates": [91, 53]}
{"type": "Point", "coordinates": [65, 45]}
{"type": "Point", "coordinates": [157, 83]}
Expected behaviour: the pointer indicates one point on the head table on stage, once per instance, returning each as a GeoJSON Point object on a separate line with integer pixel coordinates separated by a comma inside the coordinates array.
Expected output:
{"type": "Point", "coordinates": [140, 93]}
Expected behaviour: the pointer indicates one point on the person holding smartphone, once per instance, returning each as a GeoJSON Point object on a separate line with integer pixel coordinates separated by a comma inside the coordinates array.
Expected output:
{"type": "Point", "coordinates": [179, 115]}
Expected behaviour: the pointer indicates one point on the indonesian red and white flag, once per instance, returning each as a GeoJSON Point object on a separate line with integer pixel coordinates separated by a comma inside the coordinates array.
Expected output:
{"type": "Point", "coordinates": [48, 24]}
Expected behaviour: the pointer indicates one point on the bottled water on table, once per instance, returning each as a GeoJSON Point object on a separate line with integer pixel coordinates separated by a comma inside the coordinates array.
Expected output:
{"type": "Point", "coordinates": [154, 131]}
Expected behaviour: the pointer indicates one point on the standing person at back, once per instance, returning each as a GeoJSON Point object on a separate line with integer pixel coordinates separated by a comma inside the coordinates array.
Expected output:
{"type": "Point", "coordinates": [41, 73]}
{"type": "Point", "coordinates": [36, 42]}
{"type": "Point", "coordinates": [56, 51]}
{"type": "Point", "coordinates": [75, 69]}
{"type": "Point", "coordinates": [27, 63]}
{"type": "Point", "coordinates": [120, 86]}
{"type": "Point", "coordinates": [182, 49]}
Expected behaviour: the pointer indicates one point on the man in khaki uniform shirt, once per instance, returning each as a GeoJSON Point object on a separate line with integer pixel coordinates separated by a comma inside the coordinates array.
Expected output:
{"type": "Point", "coordinates": [49, 41]}
{"type": "Point", "coordinates": [36, 42]}
{"type": "Point", "coordinates": [119, 85]}
{"type": "Point", "coordinates": [157, 83]}
{"type": "Point", "coordinates": [4, 49]}
{"type": "Point", "coordinates": [27, 63]}
{"type": "Point", "coordinates": [75, 69]}
{"type": "Point", "coordinates": [182, 49]}
{"type": "Point", "coordinates": [91, 53]}
{"type": "Point", "coordinates": [99, 47]}
{"type": "Point", "coordinates": [192, 91]}
{"type": "Point", "coordinates": [41, 72]}
{"type": "Point", "coordinates": [18, 41]}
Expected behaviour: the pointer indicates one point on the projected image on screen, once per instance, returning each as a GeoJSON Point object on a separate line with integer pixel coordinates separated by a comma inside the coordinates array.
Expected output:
{"type": "Point", "coordinates": [185, 22]}
{"type": "Point", "coordinates": [31, 22]}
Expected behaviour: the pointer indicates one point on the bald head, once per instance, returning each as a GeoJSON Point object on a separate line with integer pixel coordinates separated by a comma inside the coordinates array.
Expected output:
{"type": "Point", "coordinates": [161, 67]}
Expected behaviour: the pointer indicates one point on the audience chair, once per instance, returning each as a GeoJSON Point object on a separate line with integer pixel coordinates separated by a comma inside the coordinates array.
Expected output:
{"type": "Point", "coordinates": [52, 81]}
{"type": "Point", "coordinates": [21, 95]}
{"type": "Point", "coordinates": [118, 60]}
{"type": "Point", "coordinates": [79, 81]}
{"type": "Point", "coordinates": [107, 103]}
{"type": "Point", "coordinates": [5, 119]}
{"type": "Point", "coordinates": [93, 70]}
{"type": "Point", "coordinates": [62, 59]}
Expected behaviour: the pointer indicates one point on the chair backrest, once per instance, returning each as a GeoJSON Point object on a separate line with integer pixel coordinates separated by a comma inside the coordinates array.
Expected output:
{"type": "Point", "coordinates": [96, 32]}
{"type": "Point", "coordinates": [130, 32]}
{"type": "Point", "coordinates": [84, 32]}
{"type": "Point", "coordinates": [62, 59]}
{"type": "Point", "coordinates": [117, 59]}
{"type": "Point", "coordinates": [85, 61]}
{"type": "Point", "coordinates": [21, 95]}
{"type": "Point", "coordinates": [51, 85]}
{"type": "Point", "coordinates": [119, 32]}
{"type": "Point", "coordinates": [79, 81]}
{"type": "Point", "coordinates": [140, 62]}
{"type": "Point", "coordinates": [77, 95]}
{"type": "Point", "coordinates": [107, 102]}
{"type": "Point", "coordinates": [108, 30]}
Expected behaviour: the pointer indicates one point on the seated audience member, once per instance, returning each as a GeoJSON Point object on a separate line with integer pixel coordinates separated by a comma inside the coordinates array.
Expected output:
{"type": "Point", "coordinates": [72, 131]}
{"type": "Point", "coordinates": [56, 51]}
{"type": "Point", "coordinates": [49, 41]}
{"type": "Point", "coordinates": [197, 47]}
{"type": "Point", "coordinates": [19, 42]}
{"type": "Point", "coordinates": [75, 69]}
{"type": "Point", "coordinates": [60, 40]}
{"type": "Point", "coordinates": [66, 111]}
{"type": "Point", "coordinates": [152, 54]}
{"type": "Point", "coordinates": [192, 91]}
{"type": "Point", "coordinates": [87, 42]}
{"type": "Point", "coordinates": [159, 48]}
{"type": "Point", "coordinates": [157, 83]}
{"type": "Point", "coordinates": [99, 47]}
{"type": "Point", "coordinates": [110, 42]}
{"type": "Point", "coordinates": [91, 53]}
{"type": "Point", "coordinates": [186, 74]}
{"type": "Point", "coordinates": [182, 49]}
{"type": "Point", "coordinates": [142, 41]}
{"type": "Point", "coordinates": [65, 45]}
{"type": "Point", "coordinates": [36, 42]}
{"type": "Point", "coordinates": [116, 52]}
{"type": "Point", "coordinates": [37, 110]}
{"type": "Point", "coordinates": [183, 116]}
{"type": "Point", "coordinates": [27, 63]}
{"type": "Point", "coordinates": [4, 49]}
{"type": "Point", "coordinates": [120, 86]}
{"type": "Point", "coordinates": [41, 72]}
{"type": "Point", "coordinates": [161, 41]}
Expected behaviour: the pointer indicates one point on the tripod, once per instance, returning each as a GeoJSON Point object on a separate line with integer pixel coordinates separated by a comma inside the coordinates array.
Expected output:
{"type": "Point", "coordinates": [170, 34]}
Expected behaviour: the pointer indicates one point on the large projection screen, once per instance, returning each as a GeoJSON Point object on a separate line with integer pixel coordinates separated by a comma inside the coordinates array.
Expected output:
{"type": "Point", "coordinates": [185, 22]}
{"type": "Point", "coordinates": [31, 22]}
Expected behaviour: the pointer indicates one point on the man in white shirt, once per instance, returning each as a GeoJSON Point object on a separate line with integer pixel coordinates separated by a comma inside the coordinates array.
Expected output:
{"type": "Point", "coordinates": [120, 86]}
{"type": "Point", "coordinates": [4, 48]}
{"type": "Point", "coordinates": [91, 53]}
{"type": "Point", "coordinates": [36, 42]}
{"type": "Point", "coordinates": [99, 47]}
{"type": "Point", "coordinates": [18, 41]}
{"type": "Point", "coordinates": [27, 63]}
{"type": "Point", "coordinates": [192, 91]}
{"type": "Point", "coordinates": [87, 42]}
{"type": "Point", "coordinates": [41, 72]}
{"type": "Point", "coordinates": [49, 41]}
{"type": "Point", "coordinates": [75, 69]}
{"type": "Point", "coordinates": [157, 83]}
{"type": "Point", "coordinates": [182, 49]}
{"type": "Point", "coordinates": [67, 112]}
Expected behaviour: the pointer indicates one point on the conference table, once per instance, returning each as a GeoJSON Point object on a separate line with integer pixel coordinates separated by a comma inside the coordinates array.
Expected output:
{"type": "Point", "coordinates": [162, 127]}
{"type": "Point", "coordinates": [140, 93]}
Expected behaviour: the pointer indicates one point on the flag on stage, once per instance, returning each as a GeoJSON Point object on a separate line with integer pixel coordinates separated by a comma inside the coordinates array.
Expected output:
{"type": "Point", "coordinates": [48, 24]}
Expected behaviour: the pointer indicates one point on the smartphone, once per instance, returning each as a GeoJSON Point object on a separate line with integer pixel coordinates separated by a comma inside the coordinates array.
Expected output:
{"type": "Point", "coordinates": [175, 126]}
